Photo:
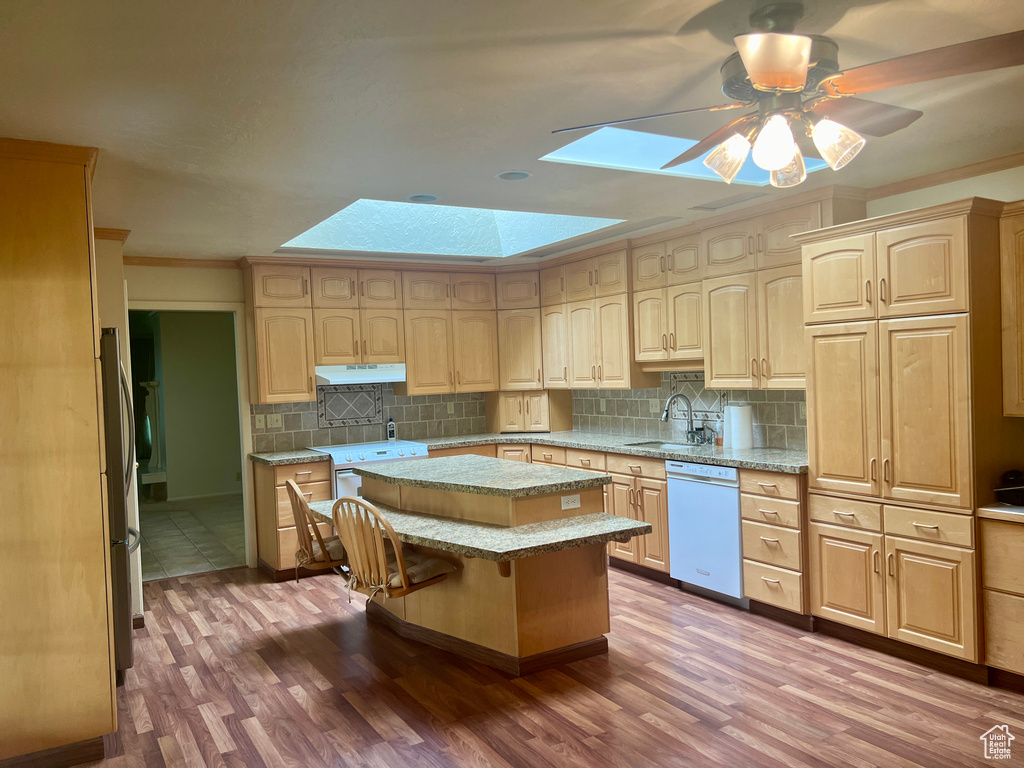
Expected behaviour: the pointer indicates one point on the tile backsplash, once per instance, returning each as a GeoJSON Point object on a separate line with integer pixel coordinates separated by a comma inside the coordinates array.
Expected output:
{"type": "Point", "coordinates": [780, 416]}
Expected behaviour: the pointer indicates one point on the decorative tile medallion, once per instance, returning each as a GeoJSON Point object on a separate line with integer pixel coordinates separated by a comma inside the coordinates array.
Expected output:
{"type": "Point", "coordinates": [707, 403]}
{"type": "Point", "coordinates": [351, 405]}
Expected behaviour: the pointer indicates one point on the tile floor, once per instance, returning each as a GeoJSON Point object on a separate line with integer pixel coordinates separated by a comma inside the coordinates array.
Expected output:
{"type": "Point", "coordinates": [193, 536]}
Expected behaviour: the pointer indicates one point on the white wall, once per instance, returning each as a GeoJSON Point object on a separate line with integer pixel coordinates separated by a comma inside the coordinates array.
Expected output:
{"type": "Point", "coordinates": [1005, 185]}
{"type": "Point", "coordinates": [200, 399]}
{"type": "Point", "coordinates": [161, 284]}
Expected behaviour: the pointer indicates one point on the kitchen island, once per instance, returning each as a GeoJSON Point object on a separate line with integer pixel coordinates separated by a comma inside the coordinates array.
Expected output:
{"type": "Point", "coordinates": [529, 545]}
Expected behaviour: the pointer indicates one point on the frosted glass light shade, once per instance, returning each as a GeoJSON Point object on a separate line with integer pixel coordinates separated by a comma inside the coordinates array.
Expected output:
{"type": "Point", "coordinates": [774, 147]}
{"type": "Point", "coordinates": [837, 144]}
{"type": "Point", "coordinates": [728, 157]}
{"type": "Point", "coordinates": [775, 62]}
{"type": "Point", "coordinates": [791, 175]}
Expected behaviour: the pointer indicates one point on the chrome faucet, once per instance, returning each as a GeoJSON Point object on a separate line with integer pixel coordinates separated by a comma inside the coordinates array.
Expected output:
{"type": "Point", "coordinates": [689, 412]}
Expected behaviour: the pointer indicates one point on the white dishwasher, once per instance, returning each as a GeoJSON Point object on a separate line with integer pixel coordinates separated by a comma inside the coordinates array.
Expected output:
{"type": "Point", "coordinates": [704, 527]}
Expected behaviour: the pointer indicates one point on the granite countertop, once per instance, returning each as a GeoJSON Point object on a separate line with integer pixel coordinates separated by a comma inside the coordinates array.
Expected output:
{"type": "Point", "coordinates": [1006, 512]}
{"type": "Point", "coordinates": [498, 543]}
{"type": "Point", "coordinates": [483, 475]}
{"type": "Point", "coordinates": [298, 456]}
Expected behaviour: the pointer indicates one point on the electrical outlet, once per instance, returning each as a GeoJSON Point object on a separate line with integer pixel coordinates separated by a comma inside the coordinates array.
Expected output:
{"type": "Point", "coordinates": [655, 407]}
{"type": "Point", "coordinates": [803, 410]}
{"type": "Point", "coordinates": [261, 421]}
{"type": "Point", "coordinates": [602, 405]}
{"type": "Point", "coordinates": [451, 407]}
{"type": "Point", "coordinates": [571, 502]}
{"type": "Point", "coordinates": [275, 421]}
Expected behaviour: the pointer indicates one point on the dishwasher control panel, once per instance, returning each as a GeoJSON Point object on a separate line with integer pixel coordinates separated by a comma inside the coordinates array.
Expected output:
{"type": "Point", "coordinates": [702, 471]}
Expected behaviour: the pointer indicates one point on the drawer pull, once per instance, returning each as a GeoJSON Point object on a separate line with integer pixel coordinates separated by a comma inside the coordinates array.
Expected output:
{"type": "Point", "coordinates": [547, 456]}
{"type": "Point", "coordinates": [305, 472]}
{"type": "Point", "coordinates": [766, 580]}
{"type": "Point", "coordinates": [843, 514]}
{"type": "Point", "coordinates": [767, 485]}
{"type": "Point", "coordinates": [585, 462]}
{"type": "Point", "coordinates": [767, 512]}
{"type": "Point", "coordinates": [635, 467]}
{"type": "Point", "coordinates": [929, 527]}
{"type": "Point", "coordinates": [766, 540]}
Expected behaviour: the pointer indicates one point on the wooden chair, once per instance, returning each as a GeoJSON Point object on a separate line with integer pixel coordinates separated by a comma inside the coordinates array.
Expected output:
{"type": "Point", "coordinates": [321, 554]}
{"type": "Point", "coordinates": [377, 563]}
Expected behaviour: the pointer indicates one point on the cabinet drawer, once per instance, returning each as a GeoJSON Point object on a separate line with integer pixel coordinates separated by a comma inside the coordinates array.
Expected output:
{"type": "Point", "coordinates": [764, 509]}
{"type": "Point", "coordinates": [287, 543]}
{"type": "Point", "coordinates": [775, 484]}
{"type": "Point", "coordinates": [852, 514]}
{"type": "Point", "coordinates": [1004, 628]}
{"type": "Point", "coordinates": [584, 459]}
{"type": "Point", "coordinates": [548, 454]}
{"type": "Point", "coordinates": [310, 472]}
{"type": "Point", "coordinates": [1002, 552]}
{"type": "Point", "coordinates": [776, 586]}
{"type": "Point", "coordinates": [319, 491]}
{"type": "Point", "coordinates": [636, 465]}
{"type": "Point", "coordinates": [771, 544]}
{"type": "Point", "coordinates": [940, 527]}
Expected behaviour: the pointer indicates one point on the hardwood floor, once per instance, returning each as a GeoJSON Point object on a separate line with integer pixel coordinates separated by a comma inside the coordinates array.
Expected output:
{"type": "Point", "coordinates": [232, 670]}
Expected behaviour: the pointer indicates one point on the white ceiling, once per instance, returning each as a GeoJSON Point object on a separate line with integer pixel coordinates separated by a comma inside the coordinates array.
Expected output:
{"type": "Point", "coordinates": [227, 128]}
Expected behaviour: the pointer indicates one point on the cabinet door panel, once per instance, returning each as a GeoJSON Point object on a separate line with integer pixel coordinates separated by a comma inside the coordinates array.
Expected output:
{"type": "Point", "coordinates": [650, 326]}
{"type": "Point", "coordinates": [473, 291]}
{"type": "Point", "coordinates": [280, 285]}
{"type": "Point", "coordinates": [922, 268]}
{"type": "Point", "coordinates": [846, 577]}
{"type": "Point", "coordinates": [728, 249]}
{"type": "Point", "coordinates": [475, 337]}
{"type": "Point", "coordinates": [513, 414]}
{"type": "Point", "coordinates": [684, 262]}
{"type": "Point", "coordinates": [730, 333]}
{"type": "Point", "coordinates": [552, 286]}
{"type": "Point", "coordinates": [380, 289]}
{"type": "Point", "coordinates": [519, 348]}
{"type": "Point", "coordinates": [780, 325]}
{"type": "Point", "coordinates": [775, 246]}
{"type": "Point", "coordinates": [839, 280]}
{"type": "Point", "coordinates": [582, 345]}
{"type": "Point", "coordinates": [649, 263]}
{"type": "Point", "coordinates": [284, 348]}
{"type": "Point", "coordinates": [930, 596]}
{"type": "Point", "coordinates": [514, 453]}
{"type": "Point", "coordinates": [336, 336]}
{"type": "Point", "coordinates": [426, 290]}
{"type": "Point", "coordinates": [429, 360]}
{"type": "Point", "coordinates": [518, 290]}
{"type": "Point", "coordinates": [612, 317]}
{"type": "Point", "coordinates": [1011, 269]}
{"type": "Point", "coordinates": [925, 407]}
{"type": "Point", "coordinates": [652, 500]}
{"type": "Point", "coordinates": [843, 443]}
{"type": "Point", "coordinates": [555, 346]}
{"type": "Point", "coordinates": [579, 280]}
{"type": "Point", "coordinates": [611, 274]}
{"type": "Point", "coordinates": [621, 495]}
{"type": "Point", "coordinates": [334, 288]}
{"type": "Point", "coordinates": [684, 305]}
{"type": "Point", "coordinates": [383, 336]}
{"type": "Point", "coordinates": [537, 417]}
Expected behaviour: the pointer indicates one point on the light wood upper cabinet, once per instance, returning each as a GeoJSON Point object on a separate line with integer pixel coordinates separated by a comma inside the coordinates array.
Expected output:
{"type": "Point", "coordinates": [473, 290]}
{"type": "Point", "coordinates": [775, 247]}
{"type": "Point", "coordinates": [538, 417]}
{"type": "Point", "coordinates": [780, 324]}
{"type": "Point", "coordinates": [284, 347]}
{"type": "Point", "coordinates": [579, 280]}
{"type": "Point", "coordinates": [685, 321]}
{"type": "Point", "coordinates": [582, 345]}
{"type": "Point", "coordinates": [555, 346]}
{"type": "Point", "coordinates": [684, 264]}
{"type": "Point", "coordinates": [730, 335]}
{"type": "Point", "coordinates": [552, 286]}
{"type": "Point", "coordinates": [846, 578]}
{"type": "Point", "coordinates": [518, 290]}
{"type": "Point", "coordinates": [1011, 267]}
{"type": "Point", "coordinates": [925, 410]}
{"type": "Point", "coordinates": [475, 338]}
{"type": "Point", "coordinates": [611, 314]}
{"type": "Point", "coordinates": [426, 290]}
{"type": "Point", "coordinates": [380, 289]}
{"type": "Point", "coordinates": [922, 268]}
{"type": "Point", "coordinates": [280, 285]}
{"type": "Point", "coordinates": [383, 336]}
{"type": "Point", "coordinates": [334, 288]}
{"type": "Point", "coordinates": [511, 412]}
{"type": "Point", "coordinates": [931, 596]}
{"type": "Point", "coordinates": [519, 346]}
{"type": "Point", "coordinates": [729, 248]}
{"type": "Point", "coordinates": [336, 336]}
{"type": "Point", "coordinates": [649, 267]}
{"type": "Point", "coordinates": [839, 278]}
{"type": "Point", "coordinates": [430, 362]}
{"type": "Point", "coordinates": [650, 326]}
{"type": "Point", "coordinates": [652, 507]}
{"type": "Point", "coordinates": [611, 273]}
{"type": "Point", "coordinates": [843, 441]}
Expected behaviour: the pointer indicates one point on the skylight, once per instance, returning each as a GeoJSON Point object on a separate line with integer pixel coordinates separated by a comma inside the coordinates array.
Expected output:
{"type": "Point", "coordinates": [441, 230]}
{"type": "Point", "coordinates": [627, 150]}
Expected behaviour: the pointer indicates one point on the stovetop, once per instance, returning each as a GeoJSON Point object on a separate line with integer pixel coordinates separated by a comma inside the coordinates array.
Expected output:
{"type": "Point", "coordinates": [383, 450]}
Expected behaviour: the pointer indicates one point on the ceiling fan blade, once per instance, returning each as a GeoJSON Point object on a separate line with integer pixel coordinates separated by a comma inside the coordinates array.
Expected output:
{"type": "Point", "coordinates": [867, 117]}
{"type": "Point", "coordinates": [963, 58]}
{"type": "Point", "coordinates": [717, 108]}
{"type": "Point", "coordinates": [710, 142]}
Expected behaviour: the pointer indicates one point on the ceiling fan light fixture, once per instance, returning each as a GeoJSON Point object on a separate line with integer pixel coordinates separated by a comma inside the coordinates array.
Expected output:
{"type": "Point", "coordinates": [775, 62]}
{"type": "Point", "coordinates": [791, 175]}
{"type": "Point", "coordinates": [837, 144]}
{"type": "Point", "coordinates": [774, 147]}
{"type": "Point", "coordinates": [728, 157]}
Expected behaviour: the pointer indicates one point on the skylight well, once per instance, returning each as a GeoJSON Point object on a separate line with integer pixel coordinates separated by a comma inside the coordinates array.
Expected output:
{"type": "Point", "coordinates": [441, 230]}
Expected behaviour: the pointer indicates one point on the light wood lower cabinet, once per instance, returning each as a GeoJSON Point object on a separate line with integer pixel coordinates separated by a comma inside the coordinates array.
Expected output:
{"type": "Point", "coordinates": [1002, 553]}
{"type": "Point", "coordinates": [773, 538]}
{"type": "Point", "coordinates": [619, 500]}
{"type": "Point", "coordinates": [847, 584]}
{"type": "Point", "coordinates": [284, 350]}
{"type": "Point", "coordinates": [514, 452]}
{"type": "Point", "coordinates": [275, 523]}
{"type": "Point", "coordinates": [645, 499]}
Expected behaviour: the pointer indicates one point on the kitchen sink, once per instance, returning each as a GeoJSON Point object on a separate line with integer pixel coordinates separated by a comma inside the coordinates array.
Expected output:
{"type": "Point", "coordinates": [658, 445]}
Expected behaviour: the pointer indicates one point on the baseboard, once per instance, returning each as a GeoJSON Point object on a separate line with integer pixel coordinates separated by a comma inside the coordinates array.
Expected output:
{"type": "Point", "coordinates": [59, 757]}
{"type": "Point", "coordinates": [643, 570]}
{"type": "Point", "coordinates": [138, 621]}
{"type": "Point", "coordinates": [288, 574]}
{"type": "Point", "coordinates": [504, 662]}
{"type": "Point", "coordinates": [781, 615]}
{"type": "Point", "coordinates": [977, 673]}
{"type": "Point", "coordinates": [1011, 681]}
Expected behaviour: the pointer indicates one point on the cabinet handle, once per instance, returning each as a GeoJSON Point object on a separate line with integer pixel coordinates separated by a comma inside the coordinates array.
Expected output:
{"type": "Point", "coordinates": [593, 372]}
{"type": "Point", "coordinates": [600, 375]}
{"type": "Point", "coordinates": [585, 462]}
{"type": "Point", "coordinates": [538, 375]}
{"type": "Point", "coordinates": [547, 456]}
{"type": "Point", "coordinates": [306, 472]}
{"type": "Point", "coordinates": [881, 291]}
{"type": "Point", "coordinates": [766, 540]}
{"type": "Point", "coordinates": [929, 527]}
{"type": "Point", "coordinates": [664, 341]}
{"type": "Point", "coordinates": [636, 468]}
{"type": "Point", "coordinates": [362, 288]}
{"type": "Point", "coordinates": [672, 341]}
{"type": "Point", "coordinates": [885, 470]}
{"type": "Point", "coordinates": [874, 465]}
{"type": "Point", "coordinates": [764, 369]}
{"type": "Point", "coordinates": [766, 580]}
{"type": "Point", "coordinates": [753, 370]}
{"type": "Point", "coordinates": [447, 291]}
{"type": "Point", "coordinates": [565, 374]}
{"type": "Point", "coordinates": [561, 284]}
{"type": "Point", "coordinates": [311, 388]}
{"type": "Point", "coordinates": [867, 291]}
{"type": "Point", "coordinates": [451, 377]}
{"type": "Point", "coordinates": [520, 406]}
{"type": "Point", "coordinates": [767, 485]}
{"type": "Point", "coordinates": [843, 514]}
{"type": "Point", "coordinates": [305, 287]}
{"type": "Point", "coordinates": [527, 406]}
{"type": "Point", "coordinates": [364, 347]}
{"type": "Point", "coordinates": [878, 561]}
{"type": "Point", "coordinates": [760, 243]}
{"type": "Point", "coordinates": [662, 263]}
{"type": "Point", "coordinates": [671, 262]}
{"type": "Point", "coordinates": [631, 500]}
{"type": "Point", "coordinates": [458, 376]}
{"type": "Point", "coordinates": [891, 559]}
{"type": "Point", "coordinates": [750, 242]}
{"type": "Point", "coordinates": [767, 512]}
{"type": "Point", "coordinates": [590, 277]}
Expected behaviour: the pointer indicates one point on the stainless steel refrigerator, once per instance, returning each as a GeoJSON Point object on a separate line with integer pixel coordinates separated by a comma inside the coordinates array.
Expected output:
{"type": "Point", "coordinates": [119, 432]}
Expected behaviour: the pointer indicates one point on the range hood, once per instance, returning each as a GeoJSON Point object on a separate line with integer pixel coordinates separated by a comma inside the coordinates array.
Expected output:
{"type": "Point", "coordinates": [360, 374]}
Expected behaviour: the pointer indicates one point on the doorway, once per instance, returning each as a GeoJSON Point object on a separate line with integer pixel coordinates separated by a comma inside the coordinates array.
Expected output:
{"type": "Point", "coordinates": [184, 380]}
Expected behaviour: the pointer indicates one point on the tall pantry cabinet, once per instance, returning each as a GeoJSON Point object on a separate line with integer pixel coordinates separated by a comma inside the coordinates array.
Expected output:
{"type": "Point", "coordinates": [906, 436]}
{"type": "Point", "coordinates": [56, 651]}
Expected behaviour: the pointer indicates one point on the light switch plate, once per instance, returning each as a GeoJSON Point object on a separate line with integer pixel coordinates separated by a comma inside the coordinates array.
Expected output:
{"type": "Point", "coordinates": [451, 407]}
{"type": "Point", "coordinates": [261, 421]}
{"type": "Point", "coordinates": [571, 502]}
{"type": "Point", "coordinates": [275, 421]}
{"type": "Point", "coordinates": [803, 409]}
{"type": "Point", "coordinates": [602, 405]}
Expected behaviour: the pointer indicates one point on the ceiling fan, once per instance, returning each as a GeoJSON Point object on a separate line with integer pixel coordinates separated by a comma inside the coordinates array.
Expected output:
{"type": "Point", "coordinates": [806, 105]}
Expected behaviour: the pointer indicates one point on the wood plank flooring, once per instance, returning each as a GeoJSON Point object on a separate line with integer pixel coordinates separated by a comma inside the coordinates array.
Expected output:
{"type": "Point", "coordinates": [232, 670]}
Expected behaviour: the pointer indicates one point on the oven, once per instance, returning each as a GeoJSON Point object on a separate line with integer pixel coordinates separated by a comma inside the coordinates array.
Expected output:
{"type": "Point", "coordinates": [345, 458]}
